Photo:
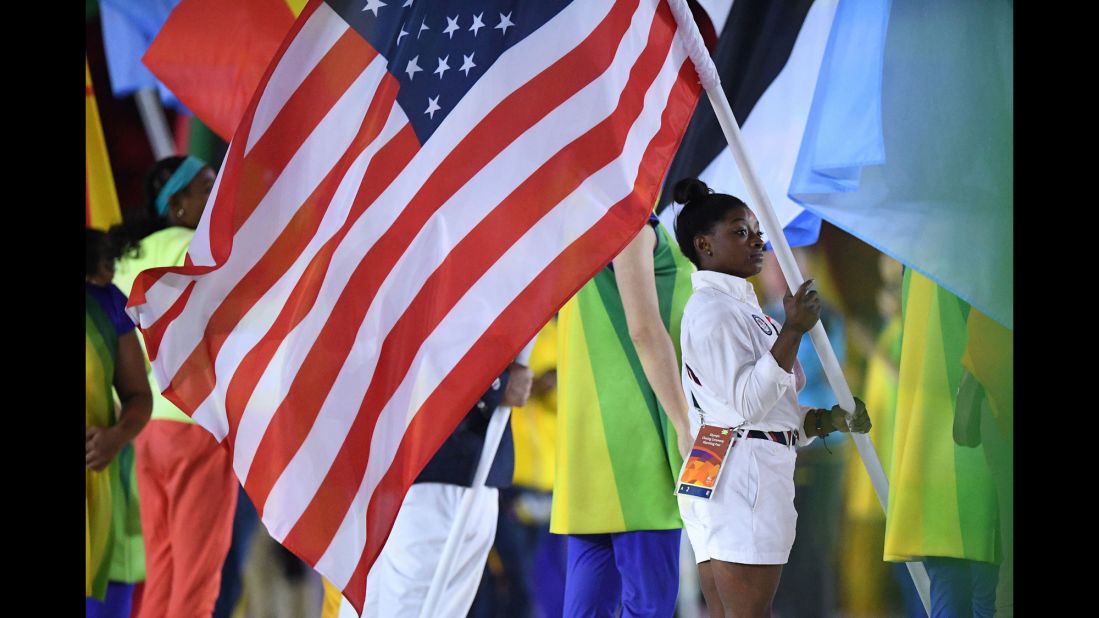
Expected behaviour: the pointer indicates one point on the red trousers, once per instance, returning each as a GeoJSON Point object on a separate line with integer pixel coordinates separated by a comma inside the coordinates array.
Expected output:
{"type": "Point", "coordinates": [188, 495]}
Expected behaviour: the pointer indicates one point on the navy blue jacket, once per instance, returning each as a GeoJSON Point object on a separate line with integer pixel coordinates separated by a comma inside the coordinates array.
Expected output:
{"type": "Point", "coordinates": [456, 460]}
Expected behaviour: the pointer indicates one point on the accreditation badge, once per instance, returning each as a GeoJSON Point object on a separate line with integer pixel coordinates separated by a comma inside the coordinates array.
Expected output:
{"type": "Point", "coordinates": [700, 472]}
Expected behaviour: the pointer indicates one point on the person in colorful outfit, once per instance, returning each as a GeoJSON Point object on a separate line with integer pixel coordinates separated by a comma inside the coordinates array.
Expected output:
{"type": "Point", "coordinates": [530, 572]}
{"type": "Point", "coordinates": [621, 429]}
{"type": "Point", "coordinates": [740, 372]}
{"type": "Point", "coordinates": [943, 495]}
{"type": "Point", "coordinates": [114, 554]}
{"type": "Point", "coordinates": [188, 490]}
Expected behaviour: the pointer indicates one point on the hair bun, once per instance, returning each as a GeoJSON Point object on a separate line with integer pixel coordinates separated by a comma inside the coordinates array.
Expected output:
{"type": "Point", "coordinates": [688, 189]}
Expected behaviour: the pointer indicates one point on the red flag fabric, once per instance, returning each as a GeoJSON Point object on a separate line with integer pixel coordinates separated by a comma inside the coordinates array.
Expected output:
{"type": "Point", "coordinates": [212, 54]}
{"type": "Point", "coordinates": [413, 191]}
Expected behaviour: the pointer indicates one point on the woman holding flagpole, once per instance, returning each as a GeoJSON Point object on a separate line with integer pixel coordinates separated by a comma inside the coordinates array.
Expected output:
{"type": "Point", "coordinates": [740, 374]}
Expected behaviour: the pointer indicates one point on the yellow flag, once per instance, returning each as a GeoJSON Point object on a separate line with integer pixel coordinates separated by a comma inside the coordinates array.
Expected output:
{"type": "Point", "coordinates": [101, 201]}
{"type": "Point", "coordinates": [296, 6]}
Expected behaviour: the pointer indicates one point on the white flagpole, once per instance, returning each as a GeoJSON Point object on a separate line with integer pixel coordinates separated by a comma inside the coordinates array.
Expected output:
{"type": "Point", "coordinates": [493, 434]}
{"type": "Point", "coordinates": [156, 123]}
{"type": "Point", "coordinates": [711, 82]}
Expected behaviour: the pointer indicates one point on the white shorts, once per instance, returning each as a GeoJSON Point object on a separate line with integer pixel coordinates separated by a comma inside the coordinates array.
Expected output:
{"type": "Point", "coordinates": [399, 580]}
{"type": "Point", "coordinates": [751, 518]}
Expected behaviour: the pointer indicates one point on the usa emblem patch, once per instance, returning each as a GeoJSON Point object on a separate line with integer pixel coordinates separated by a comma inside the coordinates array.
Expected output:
{"type": "Point", "coordinates": [763, 325]}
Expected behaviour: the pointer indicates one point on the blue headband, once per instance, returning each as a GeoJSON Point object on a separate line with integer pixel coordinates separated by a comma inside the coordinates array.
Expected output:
{"type": "Point", "coordinates": [182, 177]}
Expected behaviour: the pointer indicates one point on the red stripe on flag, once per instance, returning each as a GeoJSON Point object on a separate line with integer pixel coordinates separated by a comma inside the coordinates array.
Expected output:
{"type": "Point", "coordinates": [462, 268]}
{"type": "Point", "coordinates": [195, 378]}
{"type": "Point", "coordinates": [155, 332]}
{"type": "Point", "coordinates": [147, 278]}
{"type": "Point", "coordinates": [513, 116]}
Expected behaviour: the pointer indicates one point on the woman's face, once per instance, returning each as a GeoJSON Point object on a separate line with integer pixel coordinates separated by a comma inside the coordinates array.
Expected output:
{"type": "Point", "coordinates": [734, 246]}
{"type": "Point", "coordinates": [185, 208]}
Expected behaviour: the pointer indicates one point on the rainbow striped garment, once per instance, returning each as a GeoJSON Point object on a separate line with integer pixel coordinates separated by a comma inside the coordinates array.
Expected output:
{"type": "Point", "coordinates": [942, 500]}
{"type": "Point", "coordinates": [616, 450]}
{"type": "Point", "coordinates": [100, 350]}
{"type": "Point", "coordinates": [113, 546]}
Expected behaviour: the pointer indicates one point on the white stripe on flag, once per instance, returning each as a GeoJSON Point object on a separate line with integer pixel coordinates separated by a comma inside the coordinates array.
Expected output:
{"type": "Point", "coordinates": [199, 250]}
{"type": "Point", "coordinates": [316, 37]}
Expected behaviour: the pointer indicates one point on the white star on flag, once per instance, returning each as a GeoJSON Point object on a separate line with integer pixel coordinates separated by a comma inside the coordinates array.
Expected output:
{"type": "Point", "coordinates": [412, 67]}
{"type": "Point", "coordinates": [423, 26]}
{"type": "Point", "coordinates": [407, 4]}
{"type": "Point", "coordinates": [443, 66]}
{"type": "Point", "coordinates": [451, 26]}
{"type": "Point", "coordinates": [505, 23]}
{"type": "Point", "coordinates": [477, 23]}
{"type": "Point", "coordinates": [432, 107]}
{"type": "Point", "coordinates": [402, 33]}
{"type": "Point", "coordinates": [467, 63]}
{"type": "Point", "coordinates": [373, 5]}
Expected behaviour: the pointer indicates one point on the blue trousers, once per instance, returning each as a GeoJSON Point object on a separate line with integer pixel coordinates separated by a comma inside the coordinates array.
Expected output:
{"type": "Point", "coordinates": [962, 588]}
{"type": "Point", "coordinates": [637, 571]}
{"type": "Point", "coordinates": [116, 604]}
{"type": "Point", "coordinates": [548, 575]}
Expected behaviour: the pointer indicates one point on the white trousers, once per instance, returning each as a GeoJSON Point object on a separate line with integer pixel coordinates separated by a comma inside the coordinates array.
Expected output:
{"type": "Point", "coordinates": [398, 582]}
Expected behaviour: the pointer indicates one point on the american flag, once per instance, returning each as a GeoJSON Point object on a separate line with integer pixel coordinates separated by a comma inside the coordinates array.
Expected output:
{"type": "Point", "coordinates": [414, 190]}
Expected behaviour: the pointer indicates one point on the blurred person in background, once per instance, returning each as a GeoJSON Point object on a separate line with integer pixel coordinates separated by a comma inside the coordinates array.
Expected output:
{"type": "Point", "coordinates": [985, 417]}
{"type": "Point", "coordinates": [278, 584]}
{"type": "Point", "coordinates": [400, 579]}
{"type": "Point", "coordinates": [114, 558]}
{"type": "Point", "coordinates": [870, 587]}
{"type": "Point", "coordinates": [942, 496]}
{"type": "Point", "coordinates": [622, 432]}
{"type": "Point", "coordinates": [185, 479]}
{"type": "Point", "coordinates": [526, 569]}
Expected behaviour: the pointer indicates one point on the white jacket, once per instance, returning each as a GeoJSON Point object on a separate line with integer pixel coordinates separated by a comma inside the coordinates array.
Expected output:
{"type": "Point", "coordinates": [729, 375]}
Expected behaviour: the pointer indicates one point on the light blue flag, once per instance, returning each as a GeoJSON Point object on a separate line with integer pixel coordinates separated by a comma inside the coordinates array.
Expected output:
{"type": "Point", "coordinates": [908, 144]}
{"type": "Point", "coordinates": [129, 26]}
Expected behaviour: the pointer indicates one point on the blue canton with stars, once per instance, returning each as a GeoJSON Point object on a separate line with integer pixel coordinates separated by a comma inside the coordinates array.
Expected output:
{"type": "Point", "coordinates": [437, 49]}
